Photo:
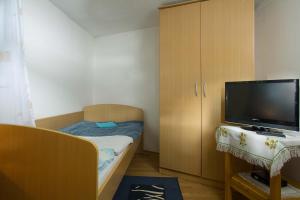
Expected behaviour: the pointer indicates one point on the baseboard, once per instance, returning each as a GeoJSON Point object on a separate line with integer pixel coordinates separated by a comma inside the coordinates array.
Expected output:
{"type": "Point", "coordinates": [201, 180]}
{"type": "Point", "coordinates": [149, 152]}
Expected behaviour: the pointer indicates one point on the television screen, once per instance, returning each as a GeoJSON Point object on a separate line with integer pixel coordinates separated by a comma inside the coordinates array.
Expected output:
{"type": "Point", "coordinates": [272, 104]}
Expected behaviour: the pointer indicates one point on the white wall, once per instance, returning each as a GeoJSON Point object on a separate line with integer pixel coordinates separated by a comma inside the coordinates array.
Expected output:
{"type": "Point", "coordinates": [278, 39]}
{"type": "Point", "coordinates": [126, 71]}
{"type": "Point", "coordinates": [58, 56]}
{"type": "Point", "coordinates": [59, 59]}
{"type": "Point", "coordinates": [278, 48]}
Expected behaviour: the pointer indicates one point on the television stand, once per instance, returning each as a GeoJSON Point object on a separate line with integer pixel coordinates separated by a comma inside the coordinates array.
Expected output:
{"type": "Point", "coordinates": [259, 151]}
{"type": "Point", "coordinates": [264, 131]}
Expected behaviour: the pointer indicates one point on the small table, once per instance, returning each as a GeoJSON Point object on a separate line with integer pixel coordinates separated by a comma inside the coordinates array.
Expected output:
{"type": "Point", "coordinates": [268, 152]}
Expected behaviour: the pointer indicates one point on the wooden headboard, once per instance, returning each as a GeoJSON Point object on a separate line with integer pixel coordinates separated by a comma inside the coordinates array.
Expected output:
{"type": "Point", "coordinates": [60, 121]}
{"type": "Point", "coordinates": [100, 112]}
{"type": "Point", "coordinates": [112, 112]}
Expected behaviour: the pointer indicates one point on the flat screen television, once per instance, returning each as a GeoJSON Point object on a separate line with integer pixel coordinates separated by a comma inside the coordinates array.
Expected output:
{"type": "Point", "coordinates": [268, 104]}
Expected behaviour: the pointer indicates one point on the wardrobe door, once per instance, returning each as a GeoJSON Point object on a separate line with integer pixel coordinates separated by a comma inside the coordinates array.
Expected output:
{"type": "Point", "coordinates": [227, 54]}
{"type": "Point", "coordinates": [180, 89]}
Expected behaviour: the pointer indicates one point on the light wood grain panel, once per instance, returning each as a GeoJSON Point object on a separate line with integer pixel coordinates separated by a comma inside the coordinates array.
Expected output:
{"type": "Point", "coordinates": [41, 164]}
{"type": "Point", "coordinates": [228, 176]}
{"type": "Point", "coordinates": [293, 182]}
{"type": "Point", "coordinates": [275, 187]}
{"type": "Point", "coordinates": [112, 112]}
{"type": "Point", "coordinates": [254, 193]}
{"type": "Point", "coordinates": [248, 190]}
{"type": "Point", "coordinates": [233, 166]}
{"type": "Point", "coordinates": [227, 39]}
{"type": "Point", "coordinates": [180, 107]}
{"type": "Point", "coordinates": [111, 183]}
{"type": "Point", "coordinates": [61, 121]}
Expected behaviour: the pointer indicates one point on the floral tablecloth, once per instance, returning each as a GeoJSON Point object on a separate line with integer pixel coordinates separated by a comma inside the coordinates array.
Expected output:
{"type": "Point", "coordinates": [265, 151]}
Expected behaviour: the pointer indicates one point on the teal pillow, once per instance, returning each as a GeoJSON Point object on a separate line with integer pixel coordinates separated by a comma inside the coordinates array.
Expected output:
{"type": "Point", "coordinates": [106, 124]}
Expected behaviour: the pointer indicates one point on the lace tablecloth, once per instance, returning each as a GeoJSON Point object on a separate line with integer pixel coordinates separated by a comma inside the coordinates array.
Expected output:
{"type": "Point", "coordinates": [265, 151]}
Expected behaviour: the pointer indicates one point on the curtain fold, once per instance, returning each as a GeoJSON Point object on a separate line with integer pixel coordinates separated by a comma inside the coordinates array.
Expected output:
{"type": "Point", "coordinates": [15, 103]}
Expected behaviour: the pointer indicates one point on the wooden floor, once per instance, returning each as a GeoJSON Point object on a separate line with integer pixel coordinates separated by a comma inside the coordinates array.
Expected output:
{"type": "Point", "coordinates": [146, 164]}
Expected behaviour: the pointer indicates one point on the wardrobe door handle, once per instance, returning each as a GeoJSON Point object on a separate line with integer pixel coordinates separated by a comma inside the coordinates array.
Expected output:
{"type": "Point", "coordinates": [196, 88]}
{"type": "Point", "coordinates": [204, 89]}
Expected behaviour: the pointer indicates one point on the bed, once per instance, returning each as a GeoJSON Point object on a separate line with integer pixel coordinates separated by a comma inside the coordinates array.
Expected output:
{"type": "Point", "coordinates": [43, 163]}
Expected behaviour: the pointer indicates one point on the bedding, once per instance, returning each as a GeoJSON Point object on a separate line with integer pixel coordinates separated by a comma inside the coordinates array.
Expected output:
{"type": "Point", "coordinates": [103, 173]}
{"type": "Point", "coordinates": [85, 128]}
{"type": "Point", "coordinates": [111, 141]}
{"type": "Point", "coordinates": [107, 157]}
{"type": "Point", "coordinates": [118, 142]}
{"type": "Point", "coordinates": [110, 150]}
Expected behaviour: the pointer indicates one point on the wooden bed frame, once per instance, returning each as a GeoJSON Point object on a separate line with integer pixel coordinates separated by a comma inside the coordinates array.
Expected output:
{"type": "Point", "coordinates": [42, 163]}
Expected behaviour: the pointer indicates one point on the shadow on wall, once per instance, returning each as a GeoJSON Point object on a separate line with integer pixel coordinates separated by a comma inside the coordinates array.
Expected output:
{"type": "Point", "coordinates": [150, 89]}
{"type": "Point", "coordinates": [126, 71]}
{"type": "Point", "coordinates": [291, 170]}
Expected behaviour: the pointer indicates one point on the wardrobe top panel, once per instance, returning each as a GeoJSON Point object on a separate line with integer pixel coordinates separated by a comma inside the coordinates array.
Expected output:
{"type": "Point", "coordinates": [179, 3]}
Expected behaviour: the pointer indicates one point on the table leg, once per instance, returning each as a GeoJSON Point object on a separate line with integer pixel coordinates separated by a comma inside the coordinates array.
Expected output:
{"type": "Point", "coordinates": [275, 187]}
{"type": "Point", "coordinates": [228, 175]}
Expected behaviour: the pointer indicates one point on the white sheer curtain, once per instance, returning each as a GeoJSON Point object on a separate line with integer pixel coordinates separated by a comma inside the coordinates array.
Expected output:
{"type": "Point", "coordinates": [15, 104]}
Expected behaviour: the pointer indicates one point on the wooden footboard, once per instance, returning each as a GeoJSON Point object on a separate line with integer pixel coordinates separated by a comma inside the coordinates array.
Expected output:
{"type": "Point", "coordinates": [40, 164]}
{"type": "Point", "coordinates": [61, 121]}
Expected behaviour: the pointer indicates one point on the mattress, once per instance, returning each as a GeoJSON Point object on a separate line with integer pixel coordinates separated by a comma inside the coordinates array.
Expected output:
{"type": "Point", "coordinates": [117, 138]}
{"type": "Point", "coordinates": [86, 128]}
{"type": "Point", "coordinates": [118, 142]}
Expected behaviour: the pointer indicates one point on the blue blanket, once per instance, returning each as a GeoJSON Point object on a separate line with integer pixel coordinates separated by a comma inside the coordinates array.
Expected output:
{"type": "Point", "coordinates": [85, 128]}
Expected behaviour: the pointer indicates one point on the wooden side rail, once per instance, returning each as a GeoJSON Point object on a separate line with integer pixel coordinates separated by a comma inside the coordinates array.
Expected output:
{"type": "Point", "coordinates": [41, 164]}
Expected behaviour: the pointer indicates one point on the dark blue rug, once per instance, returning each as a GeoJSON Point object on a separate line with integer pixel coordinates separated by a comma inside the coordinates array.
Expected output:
{"type": "Point", "coordinates": [155, 188]}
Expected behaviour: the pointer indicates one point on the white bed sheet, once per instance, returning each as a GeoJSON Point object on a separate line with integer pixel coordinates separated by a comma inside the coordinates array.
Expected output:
{"type": "Point", "coordinates": [118, 142]}
{"type": "Point", "coordinates": [102, 174]}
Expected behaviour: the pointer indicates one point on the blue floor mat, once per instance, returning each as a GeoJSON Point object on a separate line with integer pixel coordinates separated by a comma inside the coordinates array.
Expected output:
{"type": "Point", "coordinates": [141, 187]}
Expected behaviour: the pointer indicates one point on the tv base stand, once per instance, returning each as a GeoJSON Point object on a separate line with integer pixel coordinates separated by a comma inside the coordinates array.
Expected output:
{"type": "Point", "coordinates": [264, 131]}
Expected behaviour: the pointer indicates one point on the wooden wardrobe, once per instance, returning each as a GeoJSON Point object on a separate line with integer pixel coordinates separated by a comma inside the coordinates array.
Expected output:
{"type": "Point", "coordinates": [203, 44]}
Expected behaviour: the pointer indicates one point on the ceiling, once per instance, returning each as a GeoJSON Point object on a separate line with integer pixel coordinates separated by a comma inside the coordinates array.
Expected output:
{"type": "Point", "coordinates": [105, 17]}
